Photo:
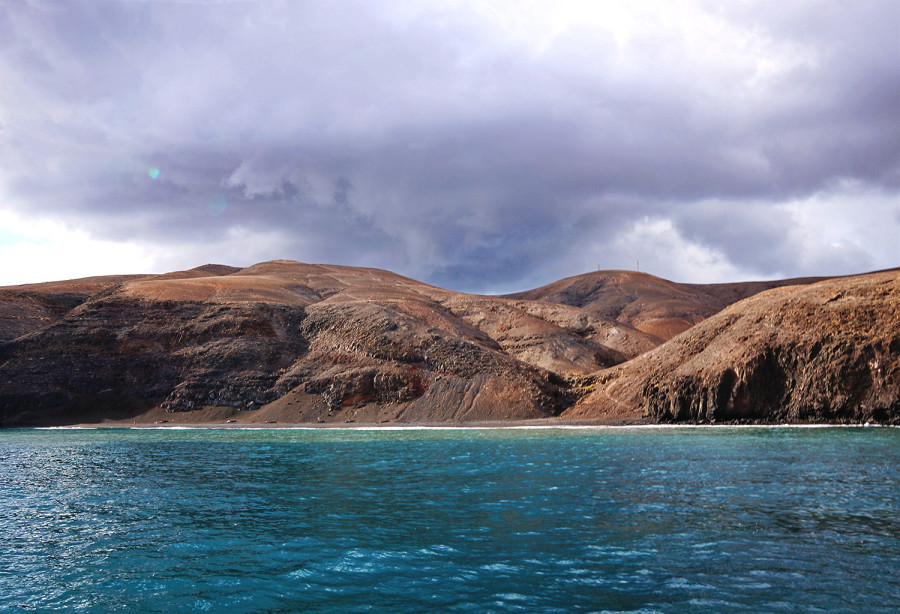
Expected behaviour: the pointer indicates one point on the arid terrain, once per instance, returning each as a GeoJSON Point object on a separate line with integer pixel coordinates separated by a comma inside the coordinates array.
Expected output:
{"type": "Point", "coordinates": [289, 343]}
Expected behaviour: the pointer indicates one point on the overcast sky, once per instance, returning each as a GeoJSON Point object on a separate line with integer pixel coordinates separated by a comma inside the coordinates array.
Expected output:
{"type": "Point", "coordinates": [486, 146]}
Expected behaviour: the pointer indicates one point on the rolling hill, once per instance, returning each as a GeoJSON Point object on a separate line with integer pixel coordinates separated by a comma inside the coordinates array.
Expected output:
{"type": "Point", "coordinates": [292, 342]}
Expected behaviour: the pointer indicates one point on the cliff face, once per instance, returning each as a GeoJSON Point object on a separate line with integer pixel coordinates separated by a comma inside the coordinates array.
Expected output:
{"type": "Point", "coordinates": [307, 343]}
{"type": "Point", "coordinates": [827, 352]}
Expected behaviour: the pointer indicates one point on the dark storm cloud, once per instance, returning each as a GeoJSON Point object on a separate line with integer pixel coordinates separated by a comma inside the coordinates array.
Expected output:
{"type": "Point", "coordinates": [427, 139]}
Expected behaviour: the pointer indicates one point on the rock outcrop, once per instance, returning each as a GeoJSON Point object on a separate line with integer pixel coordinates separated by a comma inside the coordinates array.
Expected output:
{"type": "Point", "coordinates": [826, 352]}
{"type": "Point", "coordinates": [28, 308]}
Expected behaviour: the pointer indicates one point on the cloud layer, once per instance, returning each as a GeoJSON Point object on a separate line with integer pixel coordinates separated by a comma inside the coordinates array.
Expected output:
{"type": "Point", "coordinates": [478, 146]}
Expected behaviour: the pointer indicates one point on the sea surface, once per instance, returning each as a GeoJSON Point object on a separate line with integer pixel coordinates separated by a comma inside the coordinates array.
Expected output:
{"type": "Point", "coordinates": [462, 520]}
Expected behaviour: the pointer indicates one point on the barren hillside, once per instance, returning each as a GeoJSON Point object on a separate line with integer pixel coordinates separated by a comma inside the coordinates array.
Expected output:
{"type": "Point", "coordinates": [291, 342]}
{"type": "Point", "coordinates": [653, 305]}
{"type": "Point", "coordinates": [825, 352]}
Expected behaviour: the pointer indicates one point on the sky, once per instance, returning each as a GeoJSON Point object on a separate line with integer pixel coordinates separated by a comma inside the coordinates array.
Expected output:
{"type": "Point", "coordinates": [482, 146]}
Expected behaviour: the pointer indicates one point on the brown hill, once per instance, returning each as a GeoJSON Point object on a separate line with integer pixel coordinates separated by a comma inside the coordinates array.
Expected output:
{"type": "Point", "coordinates": [30, 307]}
{"type": "Point", "coordinates": [655, 306]}
{"type": "Point", "coordinates": [826, 352]}
{"type": "Point", "coordinates": [326, 342]}
{"type": "Point", "coordinates": [299, 342]}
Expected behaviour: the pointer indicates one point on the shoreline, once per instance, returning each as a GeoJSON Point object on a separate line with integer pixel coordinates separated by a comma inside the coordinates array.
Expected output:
{"type": "Point", "coordinates": [303, 426]}
{"type": "Point", "coordinates": [222, 418]}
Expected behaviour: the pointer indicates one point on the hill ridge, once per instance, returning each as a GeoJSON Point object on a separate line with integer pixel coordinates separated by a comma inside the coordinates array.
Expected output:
{"type": "Point", "coordinates": [303, 342]}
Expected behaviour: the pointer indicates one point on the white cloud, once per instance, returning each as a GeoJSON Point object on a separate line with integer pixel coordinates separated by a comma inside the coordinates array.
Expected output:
{"type": "Point", "coordinates": [658, 248]}
{"type": "Point", "coordinates": [36, 250]}
{"type": "Point", "coordinates": [851, 228]}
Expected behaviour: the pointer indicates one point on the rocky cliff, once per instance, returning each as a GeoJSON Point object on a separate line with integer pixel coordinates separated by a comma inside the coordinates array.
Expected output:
{"type": "Point", "coordinates": [826, 352]}
{"type": "Point", "coordinates": [295, 342]}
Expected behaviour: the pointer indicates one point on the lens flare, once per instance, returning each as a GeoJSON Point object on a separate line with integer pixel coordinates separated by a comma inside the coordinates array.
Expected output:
{"type": "Point", "coordinates": [153, 172]}
{"type": "Point", "coordinates": [217, 205]}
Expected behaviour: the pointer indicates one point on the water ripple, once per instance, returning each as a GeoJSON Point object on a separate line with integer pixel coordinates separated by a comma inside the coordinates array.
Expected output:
{"type": "Point", "coordinates": [662, 520]}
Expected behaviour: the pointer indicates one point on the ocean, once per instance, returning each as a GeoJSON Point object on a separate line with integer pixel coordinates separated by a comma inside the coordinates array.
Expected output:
{"type": "Point", "coordinates": [450, 520]}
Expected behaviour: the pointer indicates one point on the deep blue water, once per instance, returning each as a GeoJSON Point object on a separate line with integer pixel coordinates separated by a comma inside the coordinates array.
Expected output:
{"type": "Point", "coordinates": [615, 520]}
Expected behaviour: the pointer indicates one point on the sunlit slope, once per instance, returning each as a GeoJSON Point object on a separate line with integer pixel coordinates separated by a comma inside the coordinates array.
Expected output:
{"type": "Point", "coordinates": [650, 304]}
{"type": "Point", "coordinates": [823, 352]}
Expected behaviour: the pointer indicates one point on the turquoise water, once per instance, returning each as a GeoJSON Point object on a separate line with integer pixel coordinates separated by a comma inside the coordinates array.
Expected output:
{"type": "Point", "coordinates": [615, 520]}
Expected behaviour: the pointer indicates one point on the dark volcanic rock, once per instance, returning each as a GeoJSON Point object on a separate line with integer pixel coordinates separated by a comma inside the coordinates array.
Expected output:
{"type": "Point", "coordinates": [31, 307]}
{"type": "Point", "coordinates": [186, 354]}
{"type": "Point", "coordinates": [26, 311]}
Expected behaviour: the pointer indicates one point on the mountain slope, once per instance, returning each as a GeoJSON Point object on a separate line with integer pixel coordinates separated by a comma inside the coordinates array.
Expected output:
{"type": "Point", "coordinates": [331, 339]}
{"type": "Point", "coordinates": [30, 307]}
{"type": "Point", "coordinates": [298, 342]}
{"type": "Point", "coordinates": [825, 352]}
{"type": "Point", "coordinates": [655, 306]}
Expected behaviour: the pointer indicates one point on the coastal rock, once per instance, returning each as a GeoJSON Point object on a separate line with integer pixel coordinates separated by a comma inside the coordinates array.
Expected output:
{"type": "Point", "coordinates": [826, 352]}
